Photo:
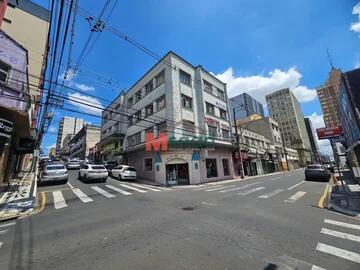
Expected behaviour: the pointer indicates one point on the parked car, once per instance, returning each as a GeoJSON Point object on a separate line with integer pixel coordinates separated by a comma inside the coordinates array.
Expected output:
{"type": "Point", "coordinates": [317, 172]}
{"type": "Point", "coordinates": [330, 167]}
{"type": "Point", "coordinates": [93, 172]}
{"type": "Point", "coordinates": [109, 165]}
{"type": "Point", "coordinates": [124, 172]}
{"type": "Point", "coordinates": [73, 164]}
{"type": "Point", "coordinates": [54, 172]}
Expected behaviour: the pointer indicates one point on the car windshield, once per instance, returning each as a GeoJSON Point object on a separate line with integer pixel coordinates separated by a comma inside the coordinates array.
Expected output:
{"type": "Point", "coordinates": [314, 167]}
{"type": "Point", "coordinates": [97, 167]}
{"type": "Point", "coordinates": [131, 169]}
{"type": "Point", "coordinates": [53, 168]}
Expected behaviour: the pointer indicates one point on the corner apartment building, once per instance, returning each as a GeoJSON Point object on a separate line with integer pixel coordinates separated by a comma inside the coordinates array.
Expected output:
{"type": "Point", "coordinates": [113, 128]}
{"type": "Point", "coordinates": [178, 102]}
{"type": "Point", "coordinates": [67, 126]}
{"type": "Point", "coordinates": [85, 139]}
{"type": "Point", "coordinates": [285, 109]}
{"type": "Point", "coordinates": [245, 105]}
{"type": "Point", "coordinates": [312, 139]}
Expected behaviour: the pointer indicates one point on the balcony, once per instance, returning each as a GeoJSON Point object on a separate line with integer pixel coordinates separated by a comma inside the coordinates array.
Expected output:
{"type": "Point", "coordinates": [14, 96]}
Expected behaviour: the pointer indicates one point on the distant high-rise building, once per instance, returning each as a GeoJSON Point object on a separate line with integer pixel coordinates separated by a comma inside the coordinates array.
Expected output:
{"type": "Point", "coordinates": [248, 104]}
{"type": "Point", "coordinates": [68, 125]}
{"type": "Point", "coordinates": [285, 109]}
{"type": "Point", "coordinates": [328, 96]}
{"type": "Point", "coordinates": [313, 142]}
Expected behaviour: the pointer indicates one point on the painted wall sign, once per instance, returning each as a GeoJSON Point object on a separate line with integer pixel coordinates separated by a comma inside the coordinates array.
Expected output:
{"type": "Point", "coordinates": [212, 122]}
{"type": "Point", "coordinates": [6, 128]}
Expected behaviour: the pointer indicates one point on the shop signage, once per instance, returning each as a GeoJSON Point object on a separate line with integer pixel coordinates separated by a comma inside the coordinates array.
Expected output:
{"type": "Point", "coordinates": [109, 147]}
{"type": "Point", "coordinates": [212, 122]}
{"type": "Point", "coordinates": [329, 132]}
{"type": "Point", "coordinates": [27, 143]}
{"type": "Point", "coordinates": [6, 128]}
{"type": "Point", "coordinates": [221, 105]}
{"type": "Point", "coordinates": [224, 126]}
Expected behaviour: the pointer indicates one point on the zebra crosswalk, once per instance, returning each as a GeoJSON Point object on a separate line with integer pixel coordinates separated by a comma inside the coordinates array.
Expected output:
{"type": "Point", "coordinates": [5, 228]}
{"type": "Point", "coordinates": [61, 198]}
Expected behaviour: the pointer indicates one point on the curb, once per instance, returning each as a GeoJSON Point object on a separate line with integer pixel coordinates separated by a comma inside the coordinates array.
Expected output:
{"type": "Point", "coordinates": [345, 211]}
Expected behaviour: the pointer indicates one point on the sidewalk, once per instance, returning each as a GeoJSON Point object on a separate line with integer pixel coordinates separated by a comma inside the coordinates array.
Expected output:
{"type": "Point", "coordinates": [20, 196]}
{"type": "Point", "coordinates": [346, 200]}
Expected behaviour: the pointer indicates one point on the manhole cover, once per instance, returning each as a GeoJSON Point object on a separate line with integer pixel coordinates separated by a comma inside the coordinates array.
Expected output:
{"type": "Point", "coordinates": [189, 208]}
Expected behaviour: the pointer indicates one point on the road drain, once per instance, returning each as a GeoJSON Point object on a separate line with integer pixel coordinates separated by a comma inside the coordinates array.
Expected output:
{"type": "Point", "coordinates": [189, 208]}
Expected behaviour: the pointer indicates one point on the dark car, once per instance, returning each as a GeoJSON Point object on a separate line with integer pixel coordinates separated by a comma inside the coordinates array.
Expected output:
{"type": "Point", "coordinates": [109, 165]}
{"type": "Point", "coordinates": [317, 172]}
{"type": "Point", "coordinates": [330, 167]}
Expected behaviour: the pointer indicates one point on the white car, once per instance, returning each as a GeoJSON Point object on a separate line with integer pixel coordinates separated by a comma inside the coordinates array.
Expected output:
{"type": "Point", "coordinates": [72, 164]}
{"type": "Point", "coordinates": [54, 172]}
{"type": "Point", "coordinates": [124, 172]}
{"type": "Point", "coordinates": [93, 172]}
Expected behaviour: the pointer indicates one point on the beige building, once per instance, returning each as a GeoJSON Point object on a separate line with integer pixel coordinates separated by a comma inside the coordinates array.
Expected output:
{"type": "Point", "coordinates": [85, 139]}
{"type": "Point", "coordinates": [28, 24]}
{"type": "Point", "coordinates": [285, 109]}
{"type": "Point", "coordinates": [328, 96]}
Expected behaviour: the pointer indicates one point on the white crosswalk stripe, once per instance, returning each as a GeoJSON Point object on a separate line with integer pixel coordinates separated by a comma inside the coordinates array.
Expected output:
{"type": "Point", "coordinates": [239, 188]}
{"type": "Point", "coordinates": [315, 267]}
{"type": "Point", "coordinates": [207, 187]}
{"type": "Point", "coordinates": [247, 192]}
{"type": "Point", "coordinates": [218, 188]}
{"type": "Point", "coordinates": [3, 232]}
{"type": "Point", "coordinates": [133, 188]}
{"type": "Point", "coordinates": [295, 197]}
{"type": "Point", "coordinates": [163, 188]}
{"type": "Point", "coordinates": [7, 224]}
{"type": "Point", "coordinates": [82, 196]}
{"type": "Point", "coordinates": [119, 190]}
{"type": "Point", "coordinates": [271, 194]}
{"type": "Point", "coordinates": [145, 187]}
{"type": "Point", "coordinates": [346, 236]}
{"type": "Point", "coordinates": [342, 253]}
{"type": "Point", "coordinates": [103, 192]}
{"type": "Point", "coordinates": [342, 224]}
{"type": "Point", "coordinates": [59, 201]}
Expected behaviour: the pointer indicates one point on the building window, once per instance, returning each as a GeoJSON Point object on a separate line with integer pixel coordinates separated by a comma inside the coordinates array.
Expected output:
{"type": "Point", "coordinates": [211, 168]}
{"type": "Point", "coordinates": [130, 120]}
{"type": "Point", "coordinates": [185, 78]}
{"type": "Point", "coordinates": [186, 102]}
{"type": "Point", "coordinates": [149, 87]}
{"type": "Point", "coordinates": [137, 96]}
{"type": "Point", "coordinates": [210, 109]}
{"type": "Point", "coordinates": [207, 86]}
{"type": "Point", "coordinates": [212, 131]}
{"type": "Point", "coordinates": [226, 134]}
{"type": "Point", "coordinates": [130, 101]}
{"type": "Point", "coordinates": [226, 167]}
{"type": "Point", "coordinates": [160, 78]}
{"type": "Point", "coordinates": [149, 110]}
{"type": "Point", "coordinates": [188, 127]}
{"type": "Point", "coordinates": [137, 116]}
{"type": "Point", "coordinates": [161, 128]}
{"type": "Point", "coordinates": [148, 164]}
{"type": "Point", "coordinates": [220, 94]}
{"type": "Point", "coordinates": [160, 103]}
{"type": "Point", "coordinates": [223, 114]}
{"type": "Point", "coordinates": [4, 72]}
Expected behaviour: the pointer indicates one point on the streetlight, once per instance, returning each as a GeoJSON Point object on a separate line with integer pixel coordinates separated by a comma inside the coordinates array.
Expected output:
{"type": "Point", "coordinates": [241, 108]}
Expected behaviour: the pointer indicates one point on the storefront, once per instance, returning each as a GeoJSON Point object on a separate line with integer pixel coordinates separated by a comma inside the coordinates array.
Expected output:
{"type": "Point", "coordinates": [177, 174]}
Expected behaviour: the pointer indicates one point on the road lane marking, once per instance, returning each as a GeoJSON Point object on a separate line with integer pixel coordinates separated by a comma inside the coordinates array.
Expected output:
{"type": "Point", "coordinates": [342, 253]}
{"type": "Point", "coordinates": [237, 188]}
{"type": "Point", "coordinates": [346, 236]}
{"type": "Point", "coordinates": [7, 224]}
{"type": "Point", "coordinates": [3, 232]}
{"type": "Point", "coordinates": [315, 267]}
{"type": "Point", "coordinates": [1, 243]}
{"type": "Point", "coordinates": [103, 192]}
{"type": "Point", "coordinates": [82, 196]}
{"type": "Point", "coordinates": [35, 189]}
{"type": "Point", "coordinates": [161, 188]}
{"type": "Point", "coordinates": [208, 187]}
{"type": "Point", "coordinates": [342, 224]}
{"type": "Point", "coordinates": [295, 197]}
{"type": "Point", "coordinates": [298, 184]}
{"type": "Point", "coordinates": [270, 194]}
{"type": "Point", "coordinates": [323, 197]}
{"type": "Point", "coordinates": [218, 188]}
{"type": "Point", "coordinates": [119, 190]}
{"type": "Point", "coordinates": [275, 178]}
{"type": "Point", "coordinates": [59, 201]}
{"type": "Point", "coordinates": [146, 187]}
{"type": "Point", "coordinates": [70, 185]}
{"type": "Point", "coordinates": [246, 192]}
{"type": "Point", "coordinates": [133, 188]}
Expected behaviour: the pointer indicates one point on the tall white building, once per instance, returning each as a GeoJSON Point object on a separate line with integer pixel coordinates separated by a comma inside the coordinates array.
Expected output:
{"type": "Point", "coordinates": [189, 107]}
{"type": "Point", "coordinates": [285, 109]}
{"type": "Point", "coordinates": [67, 126]}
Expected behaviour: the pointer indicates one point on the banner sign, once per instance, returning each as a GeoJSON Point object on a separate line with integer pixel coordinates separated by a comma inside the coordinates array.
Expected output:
{"type": "Point", "coordinates": [328, 132]}
{"type": "Point", "coordinates": [6, 128]}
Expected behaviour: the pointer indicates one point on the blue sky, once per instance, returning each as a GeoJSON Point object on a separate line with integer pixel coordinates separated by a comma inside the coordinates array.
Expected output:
{"type": "Point", "coordinates": [255, 46]}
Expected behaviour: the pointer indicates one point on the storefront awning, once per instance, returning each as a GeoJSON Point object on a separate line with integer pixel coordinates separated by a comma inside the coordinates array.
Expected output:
{"type": "Point", "coordinates": [20, 120]}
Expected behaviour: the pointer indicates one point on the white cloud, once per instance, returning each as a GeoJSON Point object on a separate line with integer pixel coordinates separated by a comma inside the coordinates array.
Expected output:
{"type": "Point", "coordinates": [356, 26]}
{"type": "Point", "coordinates": [259, 86]}
{"type": "Point", "coordinates": [84, 87]}
{"type": "Point", "coordinates": [52, 129]}
{"type": "Point", "coordinates": [357, 64]}
{"type": "Point", "coordinates": [318, 122]}
{"type": "Point", "coordinates": [68, 75]}
{"type": "Point", "coordinates": [89, 103]}
{"type": "Point", "coordinates": [51, 146]}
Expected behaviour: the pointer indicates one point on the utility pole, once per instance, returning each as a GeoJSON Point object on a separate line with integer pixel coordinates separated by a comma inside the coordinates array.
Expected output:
{"type": "Point", "coordinates": [284, 148]}
{"type": "Point", "coordinates": [239, 150]}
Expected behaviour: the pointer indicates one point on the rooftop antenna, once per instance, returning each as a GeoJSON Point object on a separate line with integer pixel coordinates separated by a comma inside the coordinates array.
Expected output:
{"type": "Point", "coordinates": [330, 60]}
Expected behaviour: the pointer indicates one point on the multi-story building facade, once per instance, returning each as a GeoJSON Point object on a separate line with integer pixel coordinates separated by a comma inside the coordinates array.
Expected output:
{"type": "Point", "coordinates": [85, 139]}
{"type": "Point", "coordinates": [65, 149]}
{"type": "Point", "coordinates": [25, 14]}
{"type": "Point", "coordinates": [113, 128]}
{"type": "Point", "coordinates": [244, 105]}
{"type": "Point", "coordinates": [312, 139]}
{"type": "Point", "coordinates": [329, 96]}
{"type": "Point", "coordinates": [67, 126]}
{"type": "Point", "coordinates": [178, 102]}
{"type": "Point", "coordinates": [285, 109]}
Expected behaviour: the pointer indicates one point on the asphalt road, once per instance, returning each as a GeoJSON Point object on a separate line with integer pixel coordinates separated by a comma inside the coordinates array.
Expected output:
{"type": "Point", "coordinates": [268, 222]}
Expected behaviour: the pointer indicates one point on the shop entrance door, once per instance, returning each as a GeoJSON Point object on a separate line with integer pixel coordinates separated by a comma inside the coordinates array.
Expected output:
{"type": "Point", "coordinates": [177, 174]}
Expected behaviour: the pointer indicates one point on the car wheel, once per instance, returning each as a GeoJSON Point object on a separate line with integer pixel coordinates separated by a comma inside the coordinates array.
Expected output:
{"type": "Point", "coordinates": [104, 180]}
{"type": "Point", "coordinates": [119, 177]}
{"type": "Point", "coordinates": [79, 177]}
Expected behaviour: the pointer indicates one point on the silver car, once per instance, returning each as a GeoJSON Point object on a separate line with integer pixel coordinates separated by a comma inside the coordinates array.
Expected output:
{"type": "Point", "coordinates": [73, 165]}
{"type": "Point", "coordinates": [93, 172]}
{"type": "Point", "coordinates": [54, 172]}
